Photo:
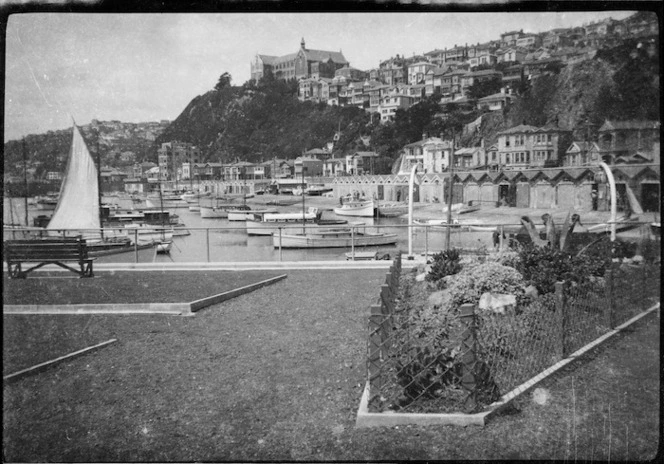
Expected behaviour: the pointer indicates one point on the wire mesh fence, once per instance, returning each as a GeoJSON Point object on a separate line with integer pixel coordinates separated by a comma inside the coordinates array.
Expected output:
{"type": "Point", "coordinates": [423, 358]}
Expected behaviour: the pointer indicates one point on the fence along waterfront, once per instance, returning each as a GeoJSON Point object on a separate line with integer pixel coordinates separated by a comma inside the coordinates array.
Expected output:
{"type": "Point", "coordinates": [484, 355]}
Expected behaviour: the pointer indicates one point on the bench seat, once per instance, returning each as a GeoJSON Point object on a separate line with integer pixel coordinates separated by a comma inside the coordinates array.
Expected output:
{"type": "Point", "coordinates": [56, 251]}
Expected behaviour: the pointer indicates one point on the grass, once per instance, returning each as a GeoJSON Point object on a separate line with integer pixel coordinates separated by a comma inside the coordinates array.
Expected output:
{"type": "Point", "coordinates": [277, 374]}
{"type": "Point", "coordinates": [126, 287]}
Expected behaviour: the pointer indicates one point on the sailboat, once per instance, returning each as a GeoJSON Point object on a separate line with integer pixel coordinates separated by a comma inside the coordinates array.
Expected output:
{"type": "Point", "coordinates": [78, 208]}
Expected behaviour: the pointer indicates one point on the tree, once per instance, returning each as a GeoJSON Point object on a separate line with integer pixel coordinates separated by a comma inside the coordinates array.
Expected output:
{"type": "Point", "coordinates": [481, 89]}
{"type": "Point", "coordinates": [224, 81]}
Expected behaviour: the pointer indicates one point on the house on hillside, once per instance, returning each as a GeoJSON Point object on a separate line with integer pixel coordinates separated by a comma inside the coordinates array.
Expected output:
{"type": "Point", "coordinates": [625, 139]}
{"type": "Point", "coordinates": [525, 146]}
{"type": "Point", "coordinates": [582, 154]}
{"type": "Point", "coordinates": [508, 39]}
{"type": "Point", "coordinates": [307, 166]}
{"type": "Point", "coordinates": [316, 153]}
{"type": "Point", "coordinates": [469, 158]}
{"type": "Point", "coordinates": [432, 152]}
{"type": "Point", "coordinates": [360, 162]}
{"type": "Point", "coordinates": [497, 102]}
{"type": "Point", "coordinates": [417, 72]}
{"type": "Point", "coordinates": [391, 103]}
{"type": "Point", "coordinates": [511, 55]}
{"type": "Point", "coordinates": [529, 41]}
{"type": "Point", "coordinates": [474, 77]}
{"type": "Point", "coordinates": [333, 167]}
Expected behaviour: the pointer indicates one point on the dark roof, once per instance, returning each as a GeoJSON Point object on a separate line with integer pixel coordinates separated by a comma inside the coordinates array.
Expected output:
{"type": "Point", "coordinates": [521, 128]}
{"type": "Point", "coordinates": [322, 55]}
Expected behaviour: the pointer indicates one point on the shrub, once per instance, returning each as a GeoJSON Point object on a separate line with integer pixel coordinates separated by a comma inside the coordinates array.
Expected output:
{"type": "Point", "coordinates": [445, 263]}
{"type": "Point", "coordinates": [469, 285]}
{"type": "Point", "coordinates": [544, 266]}
{"type": "Point", "coordinates": [506, 258]}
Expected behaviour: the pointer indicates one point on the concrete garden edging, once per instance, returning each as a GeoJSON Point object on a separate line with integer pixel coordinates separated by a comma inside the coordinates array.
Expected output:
{"type": "Point", "coordinates": [367, 419]}
{"type": "Point", "coordinates": [54, 362]}
{"type": "Point", "coordinates": [175, 309]}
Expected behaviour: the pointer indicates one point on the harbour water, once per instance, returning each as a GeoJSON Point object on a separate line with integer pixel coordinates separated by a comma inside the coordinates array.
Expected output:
{"type": "Point", "coordinates": [220, 240]}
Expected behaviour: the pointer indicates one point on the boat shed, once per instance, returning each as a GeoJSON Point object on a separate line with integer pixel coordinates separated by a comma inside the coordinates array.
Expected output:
{"type": "Point", "coordinates": [550, 188]}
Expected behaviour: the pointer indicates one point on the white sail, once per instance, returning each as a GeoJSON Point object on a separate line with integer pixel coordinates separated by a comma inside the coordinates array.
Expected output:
{"type": "Point", "coordinates": [78, 205]}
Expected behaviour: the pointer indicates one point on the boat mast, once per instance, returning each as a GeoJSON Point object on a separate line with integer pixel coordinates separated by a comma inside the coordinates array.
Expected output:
{"type": "Point", "coordinates": [25, 182]}
{"type": "Point", "coordinates": [161, 214]}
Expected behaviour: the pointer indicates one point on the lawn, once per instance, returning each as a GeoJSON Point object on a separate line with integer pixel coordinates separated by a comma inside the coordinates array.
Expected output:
{"type": "Point", "coordinates": [277, 374]}
{"type": "Point", "coordinates": [127, 287]}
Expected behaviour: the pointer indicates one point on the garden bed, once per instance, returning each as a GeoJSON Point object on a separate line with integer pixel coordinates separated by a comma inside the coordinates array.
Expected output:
{"type": "Point", "coordinates": [470, 329]}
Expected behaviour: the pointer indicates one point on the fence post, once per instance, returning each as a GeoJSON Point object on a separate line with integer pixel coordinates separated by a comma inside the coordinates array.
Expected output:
{"type": "Point", "coordinates": [426, 244]}
{"type": "Point", "coordinates": [609, 309]}
{"type": "Point", "coordinates": [376, 349]}
{"type": "Point", "coordinates": [469, 355]}
{"type": "Point", "coordinates": [280, 255]}
{"type": "Point", "coordinates": [560, 318]}
{"type": "Point", "coordinates": [352, 243]}
{"type": "Point", "coordinates": [136, 245]}
{"type": "Point", "coordinates": [207, 243]}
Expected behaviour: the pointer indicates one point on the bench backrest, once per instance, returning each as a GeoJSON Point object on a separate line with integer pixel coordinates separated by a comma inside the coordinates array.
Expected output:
{"type": "Point", "coordinates": [54, 249]}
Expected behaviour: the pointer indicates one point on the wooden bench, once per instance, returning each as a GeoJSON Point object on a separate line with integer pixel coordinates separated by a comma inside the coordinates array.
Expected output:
{"type": "Point", "coordinates": [47, 251]}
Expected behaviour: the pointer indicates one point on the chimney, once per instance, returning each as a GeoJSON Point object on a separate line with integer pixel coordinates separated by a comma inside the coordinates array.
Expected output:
{"type": "Point", "coordinates": [424, 135]}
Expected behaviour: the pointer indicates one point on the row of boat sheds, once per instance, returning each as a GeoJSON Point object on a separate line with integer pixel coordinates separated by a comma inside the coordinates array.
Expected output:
{"type": "Point", "coordinates": [580, 188]}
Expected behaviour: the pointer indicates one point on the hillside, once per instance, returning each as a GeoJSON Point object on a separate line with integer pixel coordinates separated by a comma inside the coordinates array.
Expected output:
{"type": "Point", "coordinates": [49, 151]}
{"type": "Point", "coordinates": [259, 122]}
{"type": "Point", "coordinates": [264, 120]}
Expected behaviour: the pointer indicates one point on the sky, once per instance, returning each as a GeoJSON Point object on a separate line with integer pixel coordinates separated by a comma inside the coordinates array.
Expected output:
{"type": "Point", "coordinates": [148, 67]}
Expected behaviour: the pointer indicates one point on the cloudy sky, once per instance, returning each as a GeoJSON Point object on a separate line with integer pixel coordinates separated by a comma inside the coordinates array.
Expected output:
{"type": "Point", "coordinates": [147, 67]}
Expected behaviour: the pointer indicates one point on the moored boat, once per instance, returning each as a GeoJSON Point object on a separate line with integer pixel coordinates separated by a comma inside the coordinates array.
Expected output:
{"type": "Point", "coordinates": [244, 214]}
{"type": "Point", "coordinates": [47, 203]}
{"type": "Point", "coordinates": [356, 208]}
{"type": "Point", "coordinates": [221, 211]}
{"type": "Point", "coordinates": [194, 197]}
{"type": "Point", "coordinates": [339, 237]}
{"type": "Point", "coordinates": [268, 223]}
{"type": "Point", "coordinates": [391, 209]}
{"type": "Point", "coordinates": [317, 189]}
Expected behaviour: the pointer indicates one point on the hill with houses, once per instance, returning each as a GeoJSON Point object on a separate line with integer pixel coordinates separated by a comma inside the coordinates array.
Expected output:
{"type": "Point", "coordinates": [573, 79]}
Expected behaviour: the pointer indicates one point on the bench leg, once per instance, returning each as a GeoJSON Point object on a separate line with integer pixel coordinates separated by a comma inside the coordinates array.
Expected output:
{"type": "Point", "coordinates": [15, 271]}
{"type": "Point", "coordinates": [86, 269]}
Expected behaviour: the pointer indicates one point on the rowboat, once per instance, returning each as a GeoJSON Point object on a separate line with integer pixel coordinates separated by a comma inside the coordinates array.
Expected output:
{"type": "Point", "coordinates": [193, 197]}
{"type": "Point", "coordinates": [221, 211]}
{"type": "Point", "coordinates": [317, 190]}
{"type": "Point", "coordinates": [622, 223]}
{"type": "Point", "coordinates": [323, 237]}
{"type": "Point", "coordinates": [436, 223]}
{"type": "Point", "coordinates": [392, 209]}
